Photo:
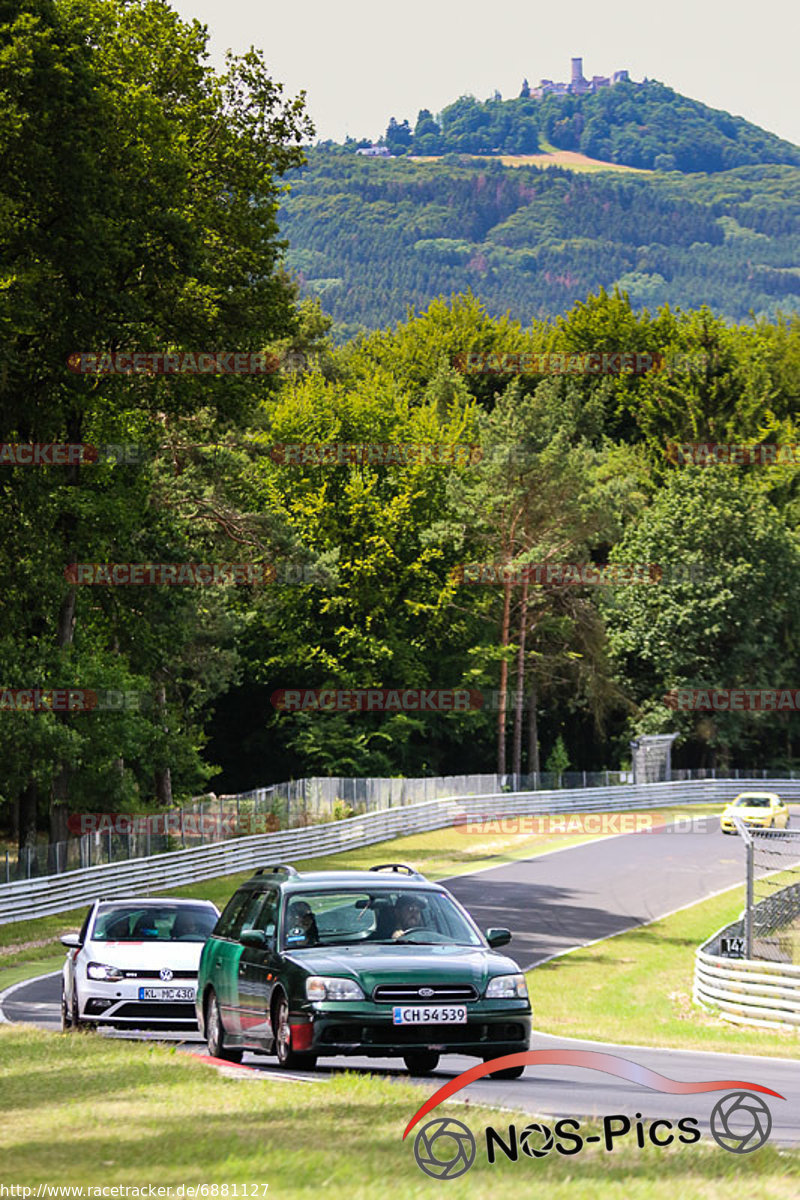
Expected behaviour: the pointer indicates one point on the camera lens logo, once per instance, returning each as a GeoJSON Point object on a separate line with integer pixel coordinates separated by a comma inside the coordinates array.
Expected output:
{"type": "Point", "coordinates": [444, 1148]}
{"type": "Point", "coordinates": [533, 1134]}
{"type": "Point", "coordinates": [740, 1122]}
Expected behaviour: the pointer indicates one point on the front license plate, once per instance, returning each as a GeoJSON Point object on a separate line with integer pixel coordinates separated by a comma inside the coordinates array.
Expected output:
{"type": "Point", "coordinates": [437, 1014]}
{"type": "Point", "coordinates": [176, 993]}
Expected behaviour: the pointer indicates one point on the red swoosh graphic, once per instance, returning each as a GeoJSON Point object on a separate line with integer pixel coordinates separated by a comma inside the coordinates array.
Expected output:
{"type": "Point", "coordinates": [594, 1060]}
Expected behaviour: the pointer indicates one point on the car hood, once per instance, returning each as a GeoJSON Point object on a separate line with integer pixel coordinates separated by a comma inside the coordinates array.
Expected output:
{"type": "Point", "coordinates": [180, 956]}
{"type": "Point", "coordinates": [375, 965]}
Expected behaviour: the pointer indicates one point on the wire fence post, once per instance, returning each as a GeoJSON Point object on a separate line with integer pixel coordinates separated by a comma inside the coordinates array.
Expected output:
{"type": "Point", "coordinates": [748, 917]}
{"type": "Point", "coordinates": [747, 838]}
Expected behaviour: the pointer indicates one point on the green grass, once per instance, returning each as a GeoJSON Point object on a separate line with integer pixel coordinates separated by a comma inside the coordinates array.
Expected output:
{"type": "Point", "coordinates": [29, 970]}
{"type": "Point", "coordinates": [86, 1111]}
{"type": "Point", "coordinates": [637, 988]}
{"type": "Point", "coordinates": [438, 854]}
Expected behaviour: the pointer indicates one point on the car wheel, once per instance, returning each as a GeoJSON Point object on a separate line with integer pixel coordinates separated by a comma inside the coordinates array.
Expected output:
{"type": "Point", "coordinates": [66, 1015]}
{"type": "Point", "coordinates": [77, 1023]}
{"type": "Point", "coordinates": [506, 1073]}
{"type": "Point", "coordinates": [422, 1062]}
{"type": "Point", "coordinates": [215, 1036]}
{"type": "Point", "coordinates": [287, 1057]}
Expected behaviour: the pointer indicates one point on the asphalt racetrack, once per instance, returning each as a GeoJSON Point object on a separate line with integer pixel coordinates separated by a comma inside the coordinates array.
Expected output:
{"type": "Point", "coordinates": [552, 903]}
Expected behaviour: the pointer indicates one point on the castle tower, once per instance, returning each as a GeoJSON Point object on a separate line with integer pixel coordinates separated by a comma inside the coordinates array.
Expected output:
{"type": "Point", "coordinates": [577, 70]}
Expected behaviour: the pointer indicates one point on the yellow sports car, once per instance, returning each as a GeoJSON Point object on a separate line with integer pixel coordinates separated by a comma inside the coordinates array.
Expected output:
{"type": "Point", "coordinates": [763, 810]}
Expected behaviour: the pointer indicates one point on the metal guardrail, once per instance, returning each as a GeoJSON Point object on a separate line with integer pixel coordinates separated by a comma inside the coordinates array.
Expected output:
{"type": "Point", "coordinates": [747, 991]}
{"type": "Point", "coordinates": [114, 837]}
{"type": "Point", "coordinates": [751, 991]}
{"type": "Point", "coordinates": [52, 894]}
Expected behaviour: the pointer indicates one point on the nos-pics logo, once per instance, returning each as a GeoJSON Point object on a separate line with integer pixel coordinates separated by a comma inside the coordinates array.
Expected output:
{"type": "Point", "coordinates": [445, 1148]}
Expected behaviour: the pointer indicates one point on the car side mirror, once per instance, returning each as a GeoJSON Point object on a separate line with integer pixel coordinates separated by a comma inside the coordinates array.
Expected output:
{"type": "Point", "coordinates": [498, 937]}
{"type": "Point", "coordinates": [71, 940]}
{"type": "Point", "coordinates": [256, 939]}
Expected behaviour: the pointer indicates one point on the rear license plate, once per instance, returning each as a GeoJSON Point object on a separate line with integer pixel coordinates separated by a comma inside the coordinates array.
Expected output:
{"type": "Point", "coordinates": [174, 993]}
{"type": "Point", "coordinates": [430, 1015]}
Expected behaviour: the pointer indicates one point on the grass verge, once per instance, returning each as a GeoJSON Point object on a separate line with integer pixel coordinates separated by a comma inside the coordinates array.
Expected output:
{"type": "Point", "coordinates": [84, 1111]}
{"type": "Point", "coordinates": [636, 988]}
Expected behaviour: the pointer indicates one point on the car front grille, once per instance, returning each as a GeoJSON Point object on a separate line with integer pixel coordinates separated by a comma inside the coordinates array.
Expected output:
{"type": "Point", "coordinates": [367, 1035]}
{"type": "Point", "coordinates": [136, 1011]}
{"type": "Point", "coordinates": [434, 993]}
{"type": "Point", "coordinates": [157, 975]}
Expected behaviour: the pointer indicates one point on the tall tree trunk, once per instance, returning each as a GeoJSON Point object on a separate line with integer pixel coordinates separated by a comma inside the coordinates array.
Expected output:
{"type": "Point", "coordinates": [520, 697]}
{"type": "Point", "coordinates": [503, 693]}
{"type": "Point", "coordinates": [28, 803]}
{"type": "Point", "coordinates": [533, 729]}
{"type": "Point", "coordinates": [162, 774]}
{"type": "Point", "coordinates": [59, 791]}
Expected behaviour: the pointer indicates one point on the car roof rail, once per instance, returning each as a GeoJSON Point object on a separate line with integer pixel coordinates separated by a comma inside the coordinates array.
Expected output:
{"type": "Point", "coordinates": [398, 869]}
{"type": "Point", "coordinates": [280, 869]}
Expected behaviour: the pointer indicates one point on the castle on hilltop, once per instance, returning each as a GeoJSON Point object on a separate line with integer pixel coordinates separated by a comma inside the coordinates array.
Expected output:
{"type": "Point", "coordinates": [578, 86]}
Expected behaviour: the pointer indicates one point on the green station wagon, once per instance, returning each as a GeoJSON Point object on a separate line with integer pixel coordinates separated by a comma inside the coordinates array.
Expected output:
{"type": "Point", "coordinates": [381, 963]}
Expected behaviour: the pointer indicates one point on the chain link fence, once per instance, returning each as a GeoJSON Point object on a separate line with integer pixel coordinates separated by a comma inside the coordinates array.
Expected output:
{"type": "Point", "coordinates": [772, 919]}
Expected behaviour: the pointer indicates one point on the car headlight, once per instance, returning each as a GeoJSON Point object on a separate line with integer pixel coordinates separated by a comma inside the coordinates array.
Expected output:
{"type": "Point", "coordinates": [329, 987]}
{"type": "Point", "coordinates": [104, 972]}
{"type": "Point", "coordinates": [504, 987]}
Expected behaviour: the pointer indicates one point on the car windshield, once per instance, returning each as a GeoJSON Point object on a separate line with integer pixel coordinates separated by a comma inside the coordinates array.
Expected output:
{"type": "Point", "coordinates": [753, 802]}
{"type": "Point", "coordinates": [381, 917]}
{"type": "Point", "coordinates": [151, 923]}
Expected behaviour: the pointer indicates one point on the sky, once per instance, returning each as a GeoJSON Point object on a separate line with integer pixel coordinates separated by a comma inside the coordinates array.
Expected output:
{"type": "Point", "coordinates": [364, 61]}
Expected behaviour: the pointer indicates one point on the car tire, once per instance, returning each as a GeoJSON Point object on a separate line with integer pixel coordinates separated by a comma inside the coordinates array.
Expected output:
{"type": "Point", "coordinates": [215, 1036]}
{"type": "Point", "coordinates": [421, 1062]}
{"type": "Point", "coordinates": [506, 1072]}
{"type": "Point", "coordinates": [77, 1023]}
{"type": "Point", "coordinates": [66, 1015]}
{"type": "Point", "coordinates": [289, 1059]}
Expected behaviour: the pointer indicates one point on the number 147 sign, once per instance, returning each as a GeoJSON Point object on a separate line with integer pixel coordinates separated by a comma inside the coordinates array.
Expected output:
{"type": "Point", "coordinates": [731, 947]}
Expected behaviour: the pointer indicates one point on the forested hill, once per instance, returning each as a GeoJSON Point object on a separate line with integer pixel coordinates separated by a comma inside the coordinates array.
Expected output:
{"type": "Point", "coordinates": [372, 236]}
{"type": "Point", "coordinates": [634, 124]}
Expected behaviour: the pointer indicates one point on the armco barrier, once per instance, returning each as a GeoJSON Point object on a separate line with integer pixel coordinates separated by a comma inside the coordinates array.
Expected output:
{"type": "Point", "coordinates": [746, 991]}
{"type": "Point", "coordinates": [51, 894]}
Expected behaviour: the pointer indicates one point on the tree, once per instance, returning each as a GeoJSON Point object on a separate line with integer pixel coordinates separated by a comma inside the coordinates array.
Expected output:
{"type": "Point", "coordinates": [723, 616]}
{"type": "Point", "coordinates": [398, 137]}
{"type": "Point", "coordinates": [139, 200]}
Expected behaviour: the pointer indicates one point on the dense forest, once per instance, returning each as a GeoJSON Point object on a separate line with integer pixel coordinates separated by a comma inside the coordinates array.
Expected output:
{"type": "Point", "coordinates": [349, 571]}
{"type": "Point", "coordinates": [371, 238]}
{"type": "Point", "coordinates": [643, 125]}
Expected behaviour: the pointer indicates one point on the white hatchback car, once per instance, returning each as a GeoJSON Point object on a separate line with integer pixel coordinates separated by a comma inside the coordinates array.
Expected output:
{"type": "Point", "coordinates": [134, 964]}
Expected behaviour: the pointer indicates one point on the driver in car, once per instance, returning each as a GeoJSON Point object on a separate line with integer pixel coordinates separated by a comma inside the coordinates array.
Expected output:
{"type": "Point", "coordinates": [408, 913]}
{"type": "Point", "coordinates": [302, 924]}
